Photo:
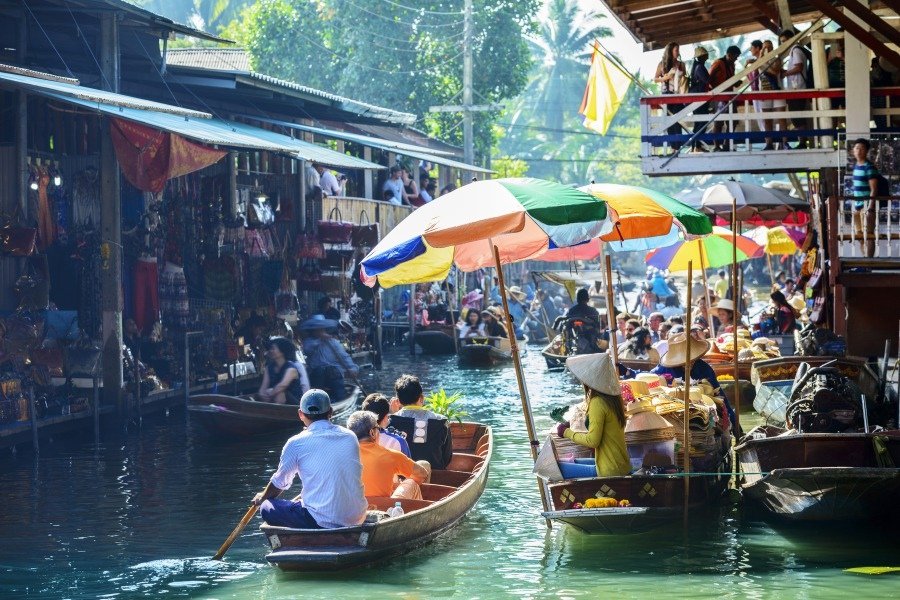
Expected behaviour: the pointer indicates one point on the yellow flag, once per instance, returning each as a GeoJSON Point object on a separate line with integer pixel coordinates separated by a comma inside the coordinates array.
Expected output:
{"type": "Point", "coordinates": [606, 88]}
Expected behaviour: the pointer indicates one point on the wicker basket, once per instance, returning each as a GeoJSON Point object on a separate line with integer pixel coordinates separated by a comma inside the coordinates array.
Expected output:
{"type": "Point", "coordinates": [566, 447]}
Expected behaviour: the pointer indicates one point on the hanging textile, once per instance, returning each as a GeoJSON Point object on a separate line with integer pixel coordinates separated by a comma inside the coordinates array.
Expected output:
{"type": "Point", "coordinates": [149, 157]}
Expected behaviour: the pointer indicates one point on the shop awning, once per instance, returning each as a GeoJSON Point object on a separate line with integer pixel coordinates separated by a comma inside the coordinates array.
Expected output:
{"type": "Point", "coordinates": [192, 124]}
{"type": "Point", "coordinates": [409, 150]}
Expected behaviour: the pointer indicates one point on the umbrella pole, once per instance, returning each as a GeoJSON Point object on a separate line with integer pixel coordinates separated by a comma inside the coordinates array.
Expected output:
{"type": "Point", "coordinates": [687, 403]}
{"type": "Point", "coordinates": [705, 287]}
{"type": "Point", "coordinates": [412, 320]}
{"type": "Point", "coordinates": [520, 379]}
{"type": "Point", "coordinates": [736, 298]}
{"type": "Point", "coordinates": [454, 334]}
{"type": "Point", "coordinates": [610, 314]}
{"type": "Point", "coordinates": [771, 272]}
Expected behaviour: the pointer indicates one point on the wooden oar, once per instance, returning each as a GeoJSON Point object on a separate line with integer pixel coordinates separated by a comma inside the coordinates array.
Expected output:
{"type": "Point", "coordinates": [237, 531]}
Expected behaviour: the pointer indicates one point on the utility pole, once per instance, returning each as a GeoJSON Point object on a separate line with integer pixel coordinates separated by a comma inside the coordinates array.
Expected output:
{"type": "Point", "coordinates": [468, 141]}
{"type": "Point", "coordinates": [467, 108]}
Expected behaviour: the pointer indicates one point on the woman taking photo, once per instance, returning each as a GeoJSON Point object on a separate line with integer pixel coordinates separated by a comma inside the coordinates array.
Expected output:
{"type": "Point", "coordinates": [605, 414]}
{"type": "Point", "coordinates": [284, 379]}
{"type": "Point", "coordinates": [472, 326]}
{"type": "Point", "coordinates": [639, 347]}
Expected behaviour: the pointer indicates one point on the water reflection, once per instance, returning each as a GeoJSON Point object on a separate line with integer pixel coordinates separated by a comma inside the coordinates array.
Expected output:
{"type": "Point", "coordinates": [137, 517]}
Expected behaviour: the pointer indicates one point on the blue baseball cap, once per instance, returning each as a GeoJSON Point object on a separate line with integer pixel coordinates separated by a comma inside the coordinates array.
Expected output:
{"type": "Point", "coordinates": [315, 402]}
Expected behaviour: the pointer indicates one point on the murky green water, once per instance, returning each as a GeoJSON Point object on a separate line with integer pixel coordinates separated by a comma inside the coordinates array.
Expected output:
{"type": "Point", "coordinates": [139, 517]}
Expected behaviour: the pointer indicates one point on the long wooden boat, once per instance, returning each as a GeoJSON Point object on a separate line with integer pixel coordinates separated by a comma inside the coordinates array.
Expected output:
{"type": "Point", "coordinates": [821, 476]}
{"type": "Point", "coordinates": [436, 339]}
{"type": "Point", "coordinates": [774, 377]}
{"type": "Point", "coordinates": [656, 500]}
{"type": "Point", "coordinates": [555, 362]}
{"type": "Point", "coordinates": [448, 498]}
{"type": "Point", "coordinates": [485, 352]}
{"type": "Point", "coordinates": [238, 417]}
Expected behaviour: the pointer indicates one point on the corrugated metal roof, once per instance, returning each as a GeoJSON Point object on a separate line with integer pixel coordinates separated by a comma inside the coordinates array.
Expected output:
{"type": "Point", "coordinates": [47, 86]}
{"type": "Point", "coordinates": [142, 14]}
{"type": "Point", "coordinates": [237, 62]}
{"type": "Point", "coordinates": [373, 142]}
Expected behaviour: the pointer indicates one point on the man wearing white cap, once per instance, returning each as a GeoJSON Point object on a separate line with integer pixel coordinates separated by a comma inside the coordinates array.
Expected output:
{"type": "Point", "coordinates": [326, 459]}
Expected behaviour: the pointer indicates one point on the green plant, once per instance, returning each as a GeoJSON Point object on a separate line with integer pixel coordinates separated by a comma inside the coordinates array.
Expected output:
{"type": "Point", "coordinates": [439, 402]}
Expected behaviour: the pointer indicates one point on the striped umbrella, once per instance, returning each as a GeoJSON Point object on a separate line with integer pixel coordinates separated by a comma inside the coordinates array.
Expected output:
{"type": "Point", "coordinates": [523, 217]}
{"type": "Point", "coordinates": [643, 219]}
{"type": "Point", "coordinates": [709, 252]}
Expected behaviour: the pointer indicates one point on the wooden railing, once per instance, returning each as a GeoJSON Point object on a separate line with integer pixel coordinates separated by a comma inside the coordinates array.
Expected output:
{"type": "Point", "coordinates": [870, 232]}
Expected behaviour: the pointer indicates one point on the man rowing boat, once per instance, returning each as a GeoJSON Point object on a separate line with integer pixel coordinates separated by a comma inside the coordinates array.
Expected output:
{"type": "Point", "coordinates": [326, 459]}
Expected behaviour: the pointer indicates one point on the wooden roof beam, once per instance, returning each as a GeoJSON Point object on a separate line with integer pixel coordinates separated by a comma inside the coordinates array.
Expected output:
{"type": "Point", "coordinates": [873, 20]}
{"type": "Point", "coordinates": [766, 9]}
{"type": "Point", "coordinates": [857, 31]}
{"type": "Point", "coordinates": [894, 5]}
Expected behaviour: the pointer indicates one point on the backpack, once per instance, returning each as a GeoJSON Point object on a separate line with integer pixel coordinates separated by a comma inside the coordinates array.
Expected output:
{"type": "Point", "coordinates": [807, 72]}
{"type": "Point", "coordinates": [883, 189]}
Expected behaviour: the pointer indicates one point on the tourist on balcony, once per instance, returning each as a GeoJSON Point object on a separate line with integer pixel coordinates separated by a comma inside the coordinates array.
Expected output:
{"type": "Point", "coordinates": [410, 187]}
{"type": "Point", "coordinates": [865, 189]}
{"type": "Point", "coordinates": [699, 84]}
{"type": "Point", "coordinates": [313, 183]}
{"type": "Point", "coordinates": [393, 190]}
{"type": "Point", "coordinates": [671, 77]}
{"type": "Point", "coordinates": [836, 72]}
{"type": "Point", "coordinates": [795, 79]}
{"type": "Point", "coordinates": [721, 71]}
{"type": "Point", "coordinates": [327, 181]}
{"type": "Point", "coordinates": [759, 82]}
{"type": "Point", "coordinates": [771, 80]}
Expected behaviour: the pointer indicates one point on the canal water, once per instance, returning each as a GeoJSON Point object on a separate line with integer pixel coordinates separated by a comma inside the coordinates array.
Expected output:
{"type": "Point", "coordinates": [140, 516]}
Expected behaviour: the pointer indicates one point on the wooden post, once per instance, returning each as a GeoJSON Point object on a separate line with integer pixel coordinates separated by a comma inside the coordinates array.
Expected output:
{"type": "Point", "coordinates": [304, 218]}
{"type": "Point", "coordinates": [771, 272]}
{"type": "Point", "coordinates": [520, 377]}
{"type": "Point", "coordinates": [450, 308]}
{"type": "Point", "coordinates": [610, 314]}
{"type": "Point", "coordinates": [687, 401]}
{"type": "Point", "coordinates": [110, 224]}
{"type": "Point", "coordinates": [379, 331]}
{"type": "Point", "coordinates": [368, 177]}
{"type": "Point", "coordinates": [232, 159]}
{"type": "Point", "coordinates": [412, 320]}
{"type": "Point", "coordinates": [736, 298]}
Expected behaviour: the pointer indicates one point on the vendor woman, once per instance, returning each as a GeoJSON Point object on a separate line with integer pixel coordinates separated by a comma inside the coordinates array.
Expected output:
{"type": "Point", "coordinates": [605, 414]}
{"type": "Point", "coordinates": [671, 365]}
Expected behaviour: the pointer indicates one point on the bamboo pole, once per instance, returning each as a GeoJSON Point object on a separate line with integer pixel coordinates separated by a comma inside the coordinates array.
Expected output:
{"type": "Point", "coordinates": [687, 402]}
{"type": "Point", "coordinates": [449, 307]}
{"type": "Point", "coordinates": [771, 272]}
{"type": "Point", "coordinates": [705, 287]}
{"type": "Point", "coordinates": [736, 298]}
{"type": "Point", "coordinates": [412, 320]}
{"type": "Point", "coordinates": [610, 315]}
{"type": "Point", "coordinates": [520, 378]}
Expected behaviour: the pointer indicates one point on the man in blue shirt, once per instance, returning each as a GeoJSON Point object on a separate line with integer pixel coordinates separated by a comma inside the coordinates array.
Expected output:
{"type": "Point", "coordinates": [865, 188]}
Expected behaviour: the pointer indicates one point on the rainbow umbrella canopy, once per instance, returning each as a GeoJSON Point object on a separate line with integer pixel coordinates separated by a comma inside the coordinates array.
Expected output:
{"type": "Point", "coordinates": [643, 219]}
{"type": "Point", "coordinates": [523, 217]}
{"type": "Point", "coordinates": [709, 252]}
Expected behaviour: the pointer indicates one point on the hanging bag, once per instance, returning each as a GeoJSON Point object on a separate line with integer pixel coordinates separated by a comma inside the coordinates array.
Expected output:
{"type": "Point", "coordinates": [309, 278]}
{"type": "Point", "coordinates": [16, 240]}
{"type": "Point", "coordinates": [260, 214]}
{"type": "Point", "coordinates": [308, 246]}
{"type": "Point", "coordinates": [335, 230]}
{"type": "Point", "coordinates": [364, 235]}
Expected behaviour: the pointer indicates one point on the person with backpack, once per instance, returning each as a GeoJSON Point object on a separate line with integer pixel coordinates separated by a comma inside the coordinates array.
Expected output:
{"type": "Point", "coordinates": [866, 183]}
{"type": "Point", "coordinates": [797, 77]}
{"type": "Point", "coordinates": [699, 84]}
{"type": "Point", "coordinates": [721, 71]}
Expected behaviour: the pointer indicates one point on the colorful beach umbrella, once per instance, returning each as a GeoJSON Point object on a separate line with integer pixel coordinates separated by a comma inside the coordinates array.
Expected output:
{"type": "Point", "coordinates": [643, 219]}
{"type": "Point", "coordinates": [709, 252]}
{"type": "Point", "coordinates": [751, 201]}
{"type": "Point", "coordinates": [774, 240]}
{"type": "Point", "coordinates": [523, 217]}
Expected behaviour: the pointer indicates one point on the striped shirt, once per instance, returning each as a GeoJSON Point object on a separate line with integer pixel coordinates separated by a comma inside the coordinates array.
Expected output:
{"type": "Point", "coordinates": [862, 174]}
{"type": "Point", "coordinates": [326, 458]}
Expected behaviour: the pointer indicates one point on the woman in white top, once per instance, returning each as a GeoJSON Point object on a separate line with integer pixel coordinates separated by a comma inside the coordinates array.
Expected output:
{"type": "Point", "coordinates": [472, 326]}
{"type": "Point", "coordinates": [670, 75]}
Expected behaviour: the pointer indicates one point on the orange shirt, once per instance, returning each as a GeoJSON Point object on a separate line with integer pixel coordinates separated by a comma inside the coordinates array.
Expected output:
{"type": "Point", "coordinates": [379, 465]}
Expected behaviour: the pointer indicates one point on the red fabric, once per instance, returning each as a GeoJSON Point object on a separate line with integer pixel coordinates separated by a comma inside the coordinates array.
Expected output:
{"type": "Point", "coordinates": [146, 295]}
{"type": "Point", "coordinates": [149, 157]}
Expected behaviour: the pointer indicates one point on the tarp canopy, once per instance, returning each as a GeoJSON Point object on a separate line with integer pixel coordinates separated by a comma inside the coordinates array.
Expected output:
{"type": "Point", "coordinates": [410, 150]}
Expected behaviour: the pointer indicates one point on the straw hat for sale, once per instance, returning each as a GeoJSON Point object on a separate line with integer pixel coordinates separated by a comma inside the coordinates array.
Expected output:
{"type": "Point", "coordinates": [596, 371]}
{"type": "Point", "coordinates": [655, 383]}
{"type": "Point", "coordinates": [724, 304]}
{"type": "Point", "coordinates": [677, 352]}
{"type": "Point", "coordinates": [638, 387]}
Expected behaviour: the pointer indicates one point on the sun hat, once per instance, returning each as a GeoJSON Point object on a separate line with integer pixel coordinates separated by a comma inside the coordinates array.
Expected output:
{"type": "Point", "coordinates": [724, 304]}
{"type": "Point", "coordinates": [677, 352]}
{"type": "Point", "coordinates": [655, 383]}
{"type": "Point", "coordinates": [595, 371]}
{"type": "Point", "coordinates": [318, 322]}
{"type": "Point", "coordinates": [315, 402]}
{"type": "Point", "coordinates": [700, 51]}
{"type": "Point", "coordinates": [638, 387]}
{"type": "Point", "coordinates": [516, 292]}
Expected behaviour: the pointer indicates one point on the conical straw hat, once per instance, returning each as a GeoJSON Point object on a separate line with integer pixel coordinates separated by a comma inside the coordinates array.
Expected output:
{"type": "Point", "coordinates": [677, 351]}
{"type": "Point", "coordinates": [595, 371]}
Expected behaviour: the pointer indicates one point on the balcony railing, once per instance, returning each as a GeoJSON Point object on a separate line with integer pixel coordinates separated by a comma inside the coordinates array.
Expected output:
{"type": "Point", "coordinates": [870, 232]}
{"type": "Point", "coordinates": [361, 210]}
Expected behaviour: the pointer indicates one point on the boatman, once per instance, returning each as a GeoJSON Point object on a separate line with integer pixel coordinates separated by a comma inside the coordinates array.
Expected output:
{"type": "Point", "coordinates": [326, 459]}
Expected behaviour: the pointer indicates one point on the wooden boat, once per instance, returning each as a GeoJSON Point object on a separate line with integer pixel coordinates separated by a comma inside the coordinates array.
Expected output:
{"type": "Point", "coordinates": [436, 339]}
{"type": "Point", "coordinates": [656, 500]}
{"type": "Point", "coordinates": [555, 362]}
{"type": "Point", "coordinates": [486, 351]}
{"type": "Point", "coordinates": [238, 417]}
{"type": "Point", "coordinates": [448, 498]}
{"type": "Point", "coordinates": [821, 476]}
{"type": "Point", "coordinates": [773, 379]}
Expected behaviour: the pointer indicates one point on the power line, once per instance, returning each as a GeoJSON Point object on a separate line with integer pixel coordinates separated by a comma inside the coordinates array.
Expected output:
{"type": "Point", "coordinates": [422, 10]}
{"type": "Point", "coordinates": [579, 160]}
{"type": "Point", "coordinates": [49, 41]}
{"type": "Point", "coordinates": [573, 131]}
{"type": "Point", "coordinates": [395, 22]}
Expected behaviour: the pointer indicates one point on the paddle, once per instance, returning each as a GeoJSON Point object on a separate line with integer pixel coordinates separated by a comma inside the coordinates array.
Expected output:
{"type": "Point", "coordinates": [872, 570]}
{"type": "Point", "coordinates": [237, 531]}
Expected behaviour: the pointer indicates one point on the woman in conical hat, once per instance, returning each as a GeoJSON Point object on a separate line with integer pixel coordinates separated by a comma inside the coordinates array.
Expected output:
{"type": "Point", "coordinates": [671, 365]}
{"type": "Point", "coordinates": [606, 414]}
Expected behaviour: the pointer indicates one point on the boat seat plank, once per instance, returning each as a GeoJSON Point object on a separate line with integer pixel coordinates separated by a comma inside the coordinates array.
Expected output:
{"type": "Point", "coordinates": [449, 478]}
{"type": "Point", "coordinates": [386, 502]}
{"type": "Point", "coordinates": [483, 446]}
{"type": "Point", "coordinates": [462, 461]}
{"type": "Point", "coordinates": [435, 492]}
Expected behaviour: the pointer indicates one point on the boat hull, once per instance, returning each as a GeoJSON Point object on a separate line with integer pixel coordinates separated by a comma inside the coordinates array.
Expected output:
{"type": "Point", "coordinates": [332, 549]}
{"type": "Point", "coordinates": [239, 417]}
{"type": "Point", "coordinates": [555, 362]}
{"type": "Point", "coordinates": [822, 476]}
{"type": "Point", "coordinates": [486, 354]}
{"type": "Point", "coordinates": [436, 341]}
